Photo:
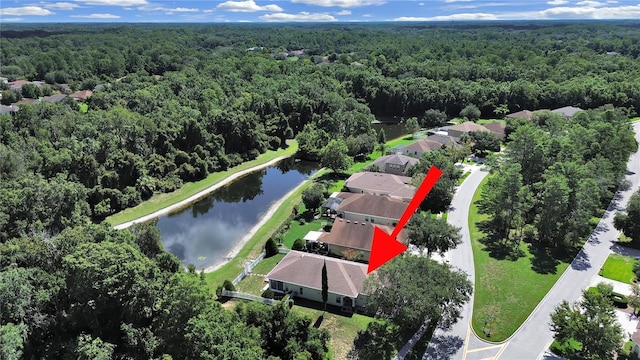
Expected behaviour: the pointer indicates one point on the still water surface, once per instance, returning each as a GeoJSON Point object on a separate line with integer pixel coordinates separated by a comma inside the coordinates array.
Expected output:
{"type": "Point", "coordinates": [206, 232]}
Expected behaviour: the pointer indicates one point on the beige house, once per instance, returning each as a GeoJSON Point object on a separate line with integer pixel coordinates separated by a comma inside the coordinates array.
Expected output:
{"type": "Point", "coordinates": [420, 147]}
{"type": "Point", "coordinates": [300, 274]}
{"type": "Point", "coordinates": [396, 164]}
{"type": "Point", "coordinates": [521, 114]}
{"type": "Point", "coordinates": [394, 186]}
{"type": "Point", "coordinates": [466, 127]}
{"type": "Point", "coordinates": [370, 208]}
{"type": "Point", "coordinates": [497, 129]}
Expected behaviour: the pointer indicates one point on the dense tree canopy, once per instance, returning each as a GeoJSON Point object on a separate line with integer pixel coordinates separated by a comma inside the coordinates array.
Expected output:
{"type": "Point", "coordinates": [410, 289]}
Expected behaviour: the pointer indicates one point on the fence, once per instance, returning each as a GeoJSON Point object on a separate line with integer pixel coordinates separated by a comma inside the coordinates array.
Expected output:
{"type": "Point", "coordinates": [247, 268]}
{"type": "Point", "coordinates": [245, 296]}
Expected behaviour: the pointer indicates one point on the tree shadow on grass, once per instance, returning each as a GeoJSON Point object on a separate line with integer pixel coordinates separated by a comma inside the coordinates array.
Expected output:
{"type": "Point", "coordinates": [543, 261]}
{"type": "Point", "coordinates": [498, 247]}
{"type": "Point", "coordinates": [382, 340]}
{"type": "Point", "coordinates": [546, 259]}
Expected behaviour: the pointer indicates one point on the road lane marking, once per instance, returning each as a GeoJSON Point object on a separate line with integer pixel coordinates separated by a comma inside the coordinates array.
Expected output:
{"type": "Point", "coordinates": [485, 348]}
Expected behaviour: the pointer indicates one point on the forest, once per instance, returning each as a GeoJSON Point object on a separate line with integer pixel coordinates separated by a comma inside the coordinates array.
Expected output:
{"type": "Point", "coordinates": [173, 103]}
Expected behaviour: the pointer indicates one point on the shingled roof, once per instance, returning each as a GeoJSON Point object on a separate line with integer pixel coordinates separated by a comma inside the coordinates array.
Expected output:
{"type": "Point", "coordinates": [304, 269]}
{"type": "Point", "coordinates": [521, 114]}
{"type": "Point", "coordinates": [380, 182]}
{"type": "Point", "coordinates": [373, 205]}
{"type": "Point", "coordinates": [496, 127]}
{"type": "Point", "coordinates": [467, 126]}
{"type": "Point", "coordinates": [424, 145]}
{"type": "Point", "coordinates": [354, 235]}
{"type": "Point", "coordinates": [396, 159]}
{"type": "Point", "coordinates": [567, 111]}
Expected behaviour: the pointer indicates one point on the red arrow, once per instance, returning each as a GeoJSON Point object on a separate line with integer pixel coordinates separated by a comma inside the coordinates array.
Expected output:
{"type": "Point", "coordinates": [385, 247]}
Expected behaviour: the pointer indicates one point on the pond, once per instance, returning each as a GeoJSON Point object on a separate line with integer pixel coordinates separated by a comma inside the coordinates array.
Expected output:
{"type": "Point", "coordinates": [206, 232]}
{"type": "Point", "coordinates": [392, 129]}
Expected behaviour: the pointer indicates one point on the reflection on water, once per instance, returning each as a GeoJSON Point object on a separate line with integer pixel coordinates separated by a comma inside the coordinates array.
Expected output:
{"type": "Point", "coordinates": [205, 233]}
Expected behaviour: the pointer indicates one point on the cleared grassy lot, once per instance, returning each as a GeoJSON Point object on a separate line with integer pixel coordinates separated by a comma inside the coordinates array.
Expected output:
{"type": "Point", "coordinates": [507, 289]}
{"type": "Point", "coordinates": [619, 268]}
{"type": "Point", "coordinates": [161, 201]}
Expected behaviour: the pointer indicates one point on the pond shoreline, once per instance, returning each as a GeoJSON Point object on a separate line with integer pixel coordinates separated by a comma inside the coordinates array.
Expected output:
{"type": "Point", "coordinates": [195, 197]}
{"type": "Point", "coordinates": [254, 229]}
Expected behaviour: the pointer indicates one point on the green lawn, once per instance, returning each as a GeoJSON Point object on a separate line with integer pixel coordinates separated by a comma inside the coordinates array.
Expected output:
{"type": "Point", "coordinates": [298, 231]}
{"type": "Point", "coordinates": [618, 267]}
{"type": "Point", "coordinates": [343, 329]}
{"type": "Point", "coordinates": [254, 282]}
{"type": "Point", "coordinates": [161, 201]}
{"type": "Point", "coordinates": [507, 289]}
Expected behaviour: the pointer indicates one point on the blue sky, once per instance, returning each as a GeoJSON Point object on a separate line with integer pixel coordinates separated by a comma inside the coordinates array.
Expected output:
{"type": "Point", "coordinates": [311, 10]}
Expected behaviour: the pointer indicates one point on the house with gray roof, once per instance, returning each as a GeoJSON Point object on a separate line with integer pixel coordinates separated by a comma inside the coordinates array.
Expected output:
{"type": "Point", "coordinates": [567, 111]}
{"type": "Point", "coordinates": [54, 98]}
{"type": "Point", "coordinates": [396, 164]}
{"type": "Point", "coordinates": [300, 274]}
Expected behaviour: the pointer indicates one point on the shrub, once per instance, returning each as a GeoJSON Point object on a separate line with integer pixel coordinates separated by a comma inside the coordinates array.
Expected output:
{"type": "Point", "coordinates": [299, 244]}
{"type": "Point", "coordinates": [619, 300]}
{"type": "Point", "coordinates": [270, 248]}
{"type": "Point", "coordinates": [228, 285]}
{"type": "Point", "coordinates": [268, 294]}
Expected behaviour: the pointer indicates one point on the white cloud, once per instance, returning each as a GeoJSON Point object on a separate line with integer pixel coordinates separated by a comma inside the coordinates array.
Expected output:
{"type": "Point", "coordinates": [476, 16]}
{"type": "Point", "coordinates": [301, 16]}
{"type": "Point", "coordinates": [247, 6]}
{"type": "Point", "coordinates": [61, 6]}
{"type": "Point", "coordinates": [343, 12]}
{"type": "Point", "coordinates": [612, 2]}
{"type": "Point", "coordinates": [452, 1]}
{"type": "Point", "coordinates": [168, 11]}
{"type": "Point", "coordinates": [557, 2]}
{"type": "Point", "coordinates": [114, 2]}
{"type": "Point", "coordinates": [620, 12]}
{"type": "Point", "coordinates": [12, 19]}
{"type": "Point", "coordinates": [340, 3]}
{"type": "Point", "coordinates": [421, 4]}
{"type": "Point", "coordinates": [590, 3]}
{"type": "Point", "coordinates": [26, 10]}
{"type": "Point", "coordinates": [96, 16]}
{"type": "Point", "coordinates": [367, 15]}
{"type": "Point", "coordinates": [208, 11]}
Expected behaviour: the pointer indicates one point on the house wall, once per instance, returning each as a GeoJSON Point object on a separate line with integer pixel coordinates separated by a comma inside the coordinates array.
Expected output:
{"type": "Point", "coordinates": [316, 295]}
{"type": "Point", "coordinates": [367, 218]}
{"type": "Point", "coordinates": [338, 250]}
{"type": "Point", "coordinates": [395, 169]}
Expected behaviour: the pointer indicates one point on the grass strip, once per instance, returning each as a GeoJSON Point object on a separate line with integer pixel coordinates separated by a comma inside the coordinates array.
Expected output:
{"type": "Point", "coordinates": [161, 201]}
{"type": "Point", "coordinates": [508, 290]}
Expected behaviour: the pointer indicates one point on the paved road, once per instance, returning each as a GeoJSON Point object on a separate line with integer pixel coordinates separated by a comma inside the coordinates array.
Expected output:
{"type": "Point", "coordinates": [533, 338]}
{"type": "Point", "coordinates": [453, 343]}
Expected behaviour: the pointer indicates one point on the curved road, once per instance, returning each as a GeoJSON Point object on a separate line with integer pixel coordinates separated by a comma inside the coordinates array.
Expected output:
{"type": "Point", "coordinates": [533, 338]}
{"type": "Point", "coordinates": [453, 343]}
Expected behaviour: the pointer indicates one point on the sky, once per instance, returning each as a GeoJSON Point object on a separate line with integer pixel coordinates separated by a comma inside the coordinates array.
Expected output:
{"type": "Point", "coordinates": [312, 10]}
